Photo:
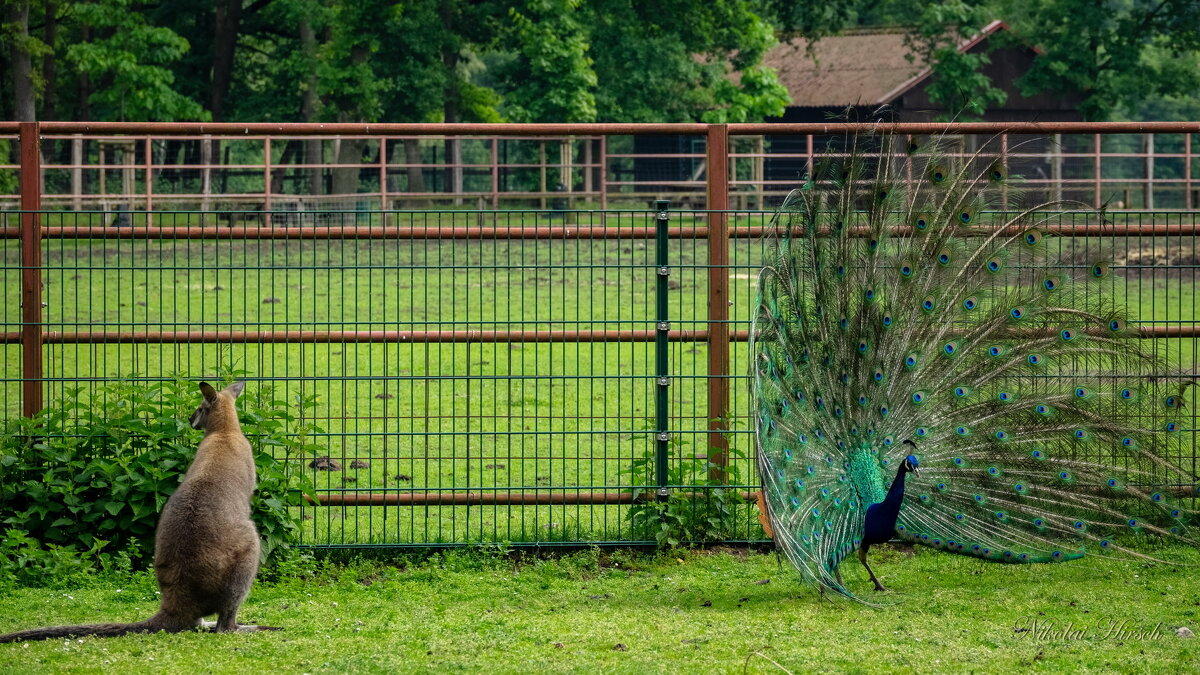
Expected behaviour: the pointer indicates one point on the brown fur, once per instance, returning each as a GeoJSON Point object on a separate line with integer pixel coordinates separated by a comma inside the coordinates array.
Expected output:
{"type": "Point", "coordinates": [206, 548]}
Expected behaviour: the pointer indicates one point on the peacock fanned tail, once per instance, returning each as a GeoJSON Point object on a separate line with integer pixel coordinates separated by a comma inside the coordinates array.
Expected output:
{"type": "Point", "coordinates": [906, 295]}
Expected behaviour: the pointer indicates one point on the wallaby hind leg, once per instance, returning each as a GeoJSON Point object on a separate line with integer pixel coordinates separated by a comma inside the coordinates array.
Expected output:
{"type": "Point", "coordinates": [240, 578]}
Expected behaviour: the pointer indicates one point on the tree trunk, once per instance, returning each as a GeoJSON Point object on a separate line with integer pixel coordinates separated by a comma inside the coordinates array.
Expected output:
{"type": "Point", "coordinates": [416, 174]}
{"type": "Point", "coordinates": [454, 176]}
{"type": "Point", "coordinates": [308, 106]}
{"type": "Point", "coordinates": [49, 66]}
{"type": "Point", "coordinates": [225, 34]}
{"type": "Point", "coordinates": [24, 99]}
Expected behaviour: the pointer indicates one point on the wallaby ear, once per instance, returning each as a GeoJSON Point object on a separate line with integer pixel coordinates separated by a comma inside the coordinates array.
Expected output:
{"type": "Point", "coordinates": [236, 388]}
{"type": "Point", "coordinates": [199, 418]}
{"type": "Point", "coordinates": [210, 394]}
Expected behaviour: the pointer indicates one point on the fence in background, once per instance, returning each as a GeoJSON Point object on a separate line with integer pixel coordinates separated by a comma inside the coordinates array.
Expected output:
{"type": "Point", "coordinates": [526, 376]}
{"type": "Point", "coordinates": [293, 169]}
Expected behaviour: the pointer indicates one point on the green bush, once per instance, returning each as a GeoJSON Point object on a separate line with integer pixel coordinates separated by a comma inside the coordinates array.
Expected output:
{"type": "Point", "coordinates": [100, 467]}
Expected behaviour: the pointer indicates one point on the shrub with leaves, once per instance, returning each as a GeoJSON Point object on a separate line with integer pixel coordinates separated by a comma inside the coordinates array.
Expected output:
{"type": "Point", "coordinates": [697, 509]}
{"type": "Point", "coordinates": [99, 466]}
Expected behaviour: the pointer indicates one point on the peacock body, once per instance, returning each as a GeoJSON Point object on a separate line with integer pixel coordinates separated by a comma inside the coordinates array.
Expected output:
{"type": "Point", "coordinates": [932, 361]}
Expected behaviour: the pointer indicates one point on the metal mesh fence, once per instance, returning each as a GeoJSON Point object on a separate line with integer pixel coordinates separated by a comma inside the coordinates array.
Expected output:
{"type": "Point", "coordinates": [484, 376]}
{"type": "Point", "coordinates": [530, 376]}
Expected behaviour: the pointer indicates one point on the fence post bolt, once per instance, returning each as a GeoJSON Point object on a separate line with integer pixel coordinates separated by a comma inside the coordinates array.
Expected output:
{"type": "Point", "coordinates": [662, 364]}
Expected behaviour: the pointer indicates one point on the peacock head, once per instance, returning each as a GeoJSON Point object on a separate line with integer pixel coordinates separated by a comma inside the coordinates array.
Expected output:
{"type": "Point", "coordinates": [910, 462]}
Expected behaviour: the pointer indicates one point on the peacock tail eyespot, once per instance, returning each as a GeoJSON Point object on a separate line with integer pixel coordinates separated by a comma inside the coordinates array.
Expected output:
{"type": "Point", "coordinates": [1064, 475]}
{"type": "Point", "coordinates": [960, 391]}
{"type": "Point", "coordinates": [1001, 435]}
{"type": "Point", "coordinates": [1033, 237]}
{"type": "Point", "coordinates": [1000, 515]}
{"type": "Point", "coordinates": [843, 323]}
{"type": "Point", "coordinates": [887, 440]}
{"type": "Point", "coordinates": [960, 517]}
{"type": "Point", "coordinates": [1080, 392]}
{"type": "Point", "coordinates": [937, 174]}
{"type": "Point", "coordinates": [1004, 396]}
{"type": "Point", "coordinates": [1057, 555]}
{"type": "Point", "coordinates": [810, 469]}
{"type": "Point", "coordinates": [910, 360]}
{"type": "Point", "coordinates": [1104, 543]}
{"type": "Point", "coordinates": [1127, 442]}
{"type": "Point", "coordinates": [863, 347]}
{"type": "Point", "coordinates": [918, 397]}
{"type": "Point", "coordinates": [1172, 427]}
{"type": "Point", "coordinates": [965, 217]}
{"type": "Point", "coordinates": [803, 439]}
{"type": "Point", "coordinates": [943, 257]}
{"type": "Point", "coordinates": [993, 471]}
{"type": "Point", "coordinates": [787, 453]}
{"type": "Point", "coordinates": [941, 487]}
{"type": "Point", "coordinates": [1043, 409]}
{"type": "Point", "coordinates": [841, 270]}
{"type": "Point", "coordinates": [1024, 556]}
{"type": "Point", "coordinates": [1132, 522]}
{"type": "Point", "coordinates": [979, 499]}
{"type": "Point", "coordinates": [920, 222]}
{"type": "Point", "coordinates": [922, 432]}
{"type": "Point", "coordinates": [924, 498]}
{"type": "Point", "coordinates": [958, 461]}
{"type": "Point", "coordinates": [1156, 497]}
{"type": "Point", "coordinates": [995, 351]}
{"type": "Point", "coordinates": [799, 484]}
{"type": "Point", "coordinates": [962, 431]}
{"type": "Point", "coordinates": [970, 303]}
{"type": "Point", "coordinates": [795, 503]}
{"type": "Point", "coordinates": [883, 411]}
{"type": "Point", "coordinates": [994, 265]}
{"type": "Point", "coordinates": [1017, 312]}
{"type": "Point", "coordinates": [1174, 402]}
{"type": "Point", "coordinates": [1034, 360]}
{"type": "Point", "coordinates": [1100, 270]}
{"type": "Point", "coordinates": [1050, 284]}
{"type": "Point", "coordinates": [1116, 325]}
{"type": "Point", "coordinates": [873, 244]}
{"type": "Point", "coordinates": [1079, 525]}
{"type": "Point", "coordinates": [780, 474]}
{"type": "Point", "coordinates": [906, 270]}
{"type": "Point", "coordinates": [1037, 454]}
{"type": "Point", "coordinates": [869, 294]}
{"type": "Point", "coordinates": [1127, 394]}
{"type": "Point", "coordinates": [1067, 334]}
{"type": "Point", "coordinates": [1176, 513]}
{"type": "Point", "coordinates": [863, 400]}
{"type": "Point", "coordinates": [950, 348]}
{"type": "Point", "coordinates": [1038, 522]}
{"type": "Point", "coordinates": [887, 320]}
{"type": "Point", "coordinates": [1080, 434]}
{"type": "Point", "coordinates": [928, 304]}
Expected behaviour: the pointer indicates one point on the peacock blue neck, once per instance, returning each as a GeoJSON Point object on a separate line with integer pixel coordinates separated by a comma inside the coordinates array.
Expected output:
{"type": "Point", "coordinates": [867, 476]}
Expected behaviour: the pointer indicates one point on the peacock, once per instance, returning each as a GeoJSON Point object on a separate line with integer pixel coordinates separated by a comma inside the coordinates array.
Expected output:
{"type": "Point", "coordinates": [935, 359]}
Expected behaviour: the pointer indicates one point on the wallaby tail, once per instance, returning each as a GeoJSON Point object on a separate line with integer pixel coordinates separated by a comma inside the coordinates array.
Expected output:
{"type": "Point", "coordinates": [92, 630]}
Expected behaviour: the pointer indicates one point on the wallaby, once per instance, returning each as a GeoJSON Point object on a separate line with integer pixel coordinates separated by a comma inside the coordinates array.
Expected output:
{"type": "Point", "coordinates": [206, 547]}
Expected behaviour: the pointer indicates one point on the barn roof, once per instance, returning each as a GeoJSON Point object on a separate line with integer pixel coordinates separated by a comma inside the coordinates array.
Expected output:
{"type": "Point", "coordinates": [862, 67]}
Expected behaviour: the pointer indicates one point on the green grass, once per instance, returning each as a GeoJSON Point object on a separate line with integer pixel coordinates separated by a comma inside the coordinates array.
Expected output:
{"type": "Point", "coordinates": [677, 612]}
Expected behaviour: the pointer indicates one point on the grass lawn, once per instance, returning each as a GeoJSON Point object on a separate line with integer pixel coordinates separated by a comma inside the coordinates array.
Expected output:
{"type": "Point", "coordinates": [726, 611]}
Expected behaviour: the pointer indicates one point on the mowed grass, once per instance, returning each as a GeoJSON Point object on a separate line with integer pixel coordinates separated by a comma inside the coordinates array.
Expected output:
{"type": "Point", "coordinates": [726, 611]}
{"type": "Point", "coordinates": [416, 416]}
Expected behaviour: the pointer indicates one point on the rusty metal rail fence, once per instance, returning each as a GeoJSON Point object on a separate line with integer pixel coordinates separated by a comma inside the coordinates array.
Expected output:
{"type": "Point", "coordinates": [537, 377]}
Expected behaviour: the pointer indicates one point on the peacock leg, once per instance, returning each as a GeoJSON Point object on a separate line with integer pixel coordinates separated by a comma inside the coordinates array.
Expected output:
{"type": "Point", "coordinates": [862, 557]}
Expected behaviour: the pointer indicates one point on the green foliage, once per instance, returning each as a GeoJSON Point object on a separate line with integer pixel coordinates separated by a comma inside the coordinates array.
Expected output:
{"type": "Point", "coordinates": [132, 58]}
{"type": "Point", "coordinates": [697, 509]}
{"type": "Point", "coordinates": [551, 78]}
{"type": "Point", "coordinates": [101, 466]}
{"type": "Point", "coordinates": [25, 561]}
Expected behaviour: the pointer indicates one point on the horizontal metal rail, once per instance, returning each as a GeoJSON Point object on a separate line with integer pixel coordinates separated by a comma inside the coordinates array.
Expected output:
{"type": "Point", "coordinates": [235, 129]}
{"type": "Point", "coordinates": [431, 336]}
{"type": "Point", "coordinates": [520, 232]}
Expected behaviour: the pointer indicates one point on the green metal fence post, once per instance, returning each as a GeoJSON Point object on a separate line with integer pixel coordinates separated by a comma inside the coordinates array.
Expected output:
{"type": "Point", "coordinates": [662, 377]}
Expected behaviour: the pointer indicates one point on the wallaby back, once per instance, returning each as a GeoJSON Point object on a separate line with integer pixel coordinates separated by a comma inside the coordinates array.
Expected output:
{"type": "Point", "coordinates": [206, 548]}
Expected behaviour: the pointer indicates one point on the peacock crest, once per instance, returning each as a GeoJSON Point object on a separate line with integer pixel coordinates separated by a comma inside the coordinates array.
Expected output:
{"type": "Point", "coordinates": [915, 306]}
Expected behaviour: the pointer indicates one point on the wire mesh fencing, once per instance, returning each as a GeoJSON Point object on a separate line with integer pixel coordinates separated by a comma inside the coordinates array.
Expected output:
{"type": "Point", "coordinates": [544, 377]}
